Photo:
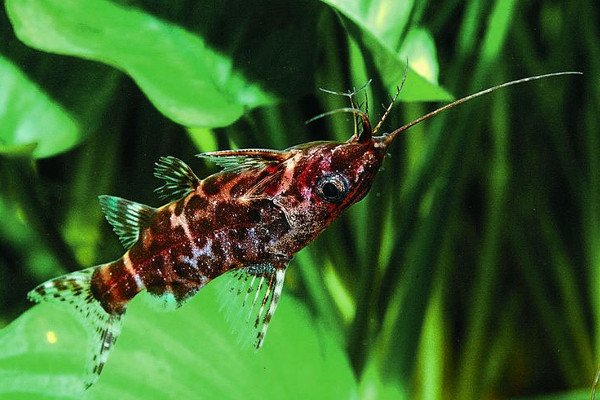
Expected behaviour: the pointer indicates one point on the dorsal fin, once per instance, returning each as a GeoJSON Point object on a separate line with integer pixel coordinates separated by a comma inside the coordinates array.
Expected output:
{"type": "Point", "coordinates": [250, 300]}
{"type": "Point", "coordinates": [245, 159]}
{"type": "Point", "coordinates": [127, 218]}
{"type": "Point", "coordinates": [179, 178]}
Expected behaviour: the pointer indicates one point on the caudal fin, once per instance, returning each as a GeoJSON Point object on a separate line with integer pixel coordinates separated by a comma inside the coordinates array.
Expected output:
{"type": "Point", "coordinates": [103, 328]}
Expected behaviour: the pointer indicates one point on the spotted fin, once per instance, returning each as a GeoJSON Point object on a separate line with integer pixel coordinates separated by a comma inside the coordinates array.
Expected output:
{"type": "Point", "coordinates": [179, 178]}
{"type": "Point", "coordinates": [246, 159]}
{"type": "Point", "coordinates": [103, 328]}
{"type": "Point", "coordinates": [127, 218]}
{"type": "Point", "coordinates": [250, 300]}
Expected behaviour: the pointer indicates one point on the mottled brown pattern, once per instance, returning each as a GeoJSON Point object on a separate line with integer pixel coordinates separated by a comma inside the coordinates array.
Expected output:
{"type": "Point", "coordinates": [180, 205]}
{"type": "Point", "coordinates": [196, 202]}
{"type": "Point", "coordinates": [239, 187]}
{"type": "Point", "coordinates": [210, 186]}
{"type": "Point", "coordinates": [154, 275]}
{"type": "Point", "coordinates": [113, 286]}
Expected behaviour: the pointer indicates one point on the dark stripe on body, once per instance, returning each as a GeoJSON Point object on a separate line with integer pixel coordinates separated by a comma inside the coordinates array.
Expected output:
{"type": "Point", "coordinates": [226, 233]}
{"type": "Point", "coordinates": [113, 286]}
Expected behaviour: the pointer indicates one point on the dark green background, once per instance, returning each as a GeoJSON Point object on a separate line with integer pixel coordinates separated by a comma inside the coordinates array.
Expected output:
{"type": "Point", "coordinates": [472, 269]}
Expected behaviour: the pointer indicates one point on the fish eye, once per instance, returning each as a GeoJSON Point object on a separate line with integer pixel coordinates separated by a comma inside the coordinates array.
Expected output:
{"type": "Point", "coordinates": [332, 188]}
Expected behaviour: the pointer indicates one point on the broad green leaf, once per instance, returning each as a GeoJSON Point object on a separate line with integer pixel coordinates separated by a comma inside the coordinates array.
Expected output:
{"type": "Point", "coordinates": [384, 19]}
{"type": "Point", "coordinates": [48, 104]}
{"type": "Point", "coordinates": [379, 27]}
{"type": "Point", "coordinates": [419, 50]}
{"type": "Point", "coordinates": [200, 67]}
{"type": "Point", "coordinates": [29, 117]}
{"type": "Point", "coordinates": [186, 354]}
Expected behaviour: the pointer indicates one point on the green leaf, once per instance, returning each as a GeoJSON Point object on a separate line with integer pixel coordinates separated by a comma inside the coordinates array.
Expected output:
{"type": "Point", "coordinates": [200, 67]}
{"type": "Point", "coordinates": [48, 104]}
{"type": "Point", "coordinates": [419, 50]}
{"type": "Point", "coordinates": [379, 26]}
{"type": "Point", "coordinates": [29, 119]}
{"type": "Point", "coordinates": [384, 19]}
{"type": "Point", "coordinates": [189, 353]}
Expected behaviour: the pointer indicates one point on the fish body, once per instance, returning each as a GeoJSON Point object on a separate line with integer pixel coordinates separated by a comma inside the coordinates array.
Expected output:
{"type": "Point", "coordinates": [246, 221]}
{"type": "Point", "coordinates": [232, 220]}
{"type": "Point", "coordinates": [250, 218]}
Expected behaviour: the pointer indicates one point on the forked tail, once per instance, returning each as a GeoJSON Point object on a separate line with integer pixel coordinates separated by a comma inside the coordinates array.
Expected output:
{"type": "Point", "coordinates": [103, 328]}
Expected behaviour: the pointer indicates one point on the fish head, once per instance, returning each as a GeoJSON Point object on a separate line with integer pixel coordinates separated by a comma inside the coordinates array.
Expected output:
{"type": "Point", "coordinates": [322, 179]}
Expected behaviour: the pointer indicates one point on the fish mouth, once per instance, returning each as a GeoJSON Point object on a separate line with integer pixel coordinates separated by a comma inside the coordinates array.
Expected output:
{"type": "Point", "coordinates": [383, 142]}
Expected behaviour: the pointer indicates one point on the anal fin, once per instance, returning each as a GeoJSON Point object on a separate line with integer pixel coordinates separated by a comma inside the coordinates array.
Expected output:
{"type": "Point", "coordinates": [251, 299]}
